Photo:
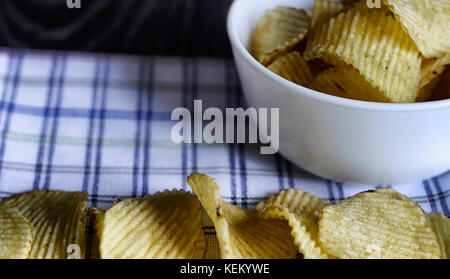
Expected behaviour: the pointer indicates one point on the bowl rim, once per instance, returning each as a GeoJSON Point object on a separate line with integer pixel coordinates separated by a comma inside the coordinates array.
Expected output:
{"type": "Point", "coordinates": [238, 46]}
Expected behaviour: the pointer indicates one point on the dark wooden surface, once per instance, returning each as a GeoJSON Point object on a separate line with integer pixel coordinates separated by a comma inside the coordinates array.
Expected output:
{"type": "Point", "coordinates": [162, 27]}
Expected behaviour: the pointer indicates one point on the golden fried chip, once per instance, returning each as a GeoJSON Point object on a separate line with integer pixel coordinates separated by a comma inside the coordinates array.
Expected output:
{"type": "Point", "coordinates": [442, 89]}
{"type": "Point", "coordinates": [441, 226]}
{"type": "Point", "coordinates": [301, 210]}
{"type": "Point", "coordinates": [375, 44]}
{"type": "Point", "coordinates": [349, 3]}
{"type": "Point", "coordinates": [96, 216]}
{"type": "Point", "coordinates": [278, 32]}
{"type": "Point", "coordinates": [431, 68]}
{"type": "Point", "coordinates": [57, 219]}
{"type": "Point", "coordinates": [324, 10]}
{"type": "Point", "coordinates": [283, 50]}
{"type": "Point", "coordinates": [426, 92]}
{"type": "Point", "coordinates": [213, 246]}
{"type": "Point", "coordinates": [293, 68]}
{"type": "Point", "coordinates": [242, 234]}
{"type": "Point", "coordinates": [346, 82]}
{"type": "Point", "coordinates": [166, 225]}
{"type": "Point", "coordinates": [426, 22]}
{"type": "Point", "coordinates": [15, 234]}
{"type": "Point", "coordinates": [317, 67]}
{"type": "Point", "coordinates": [382, 224]}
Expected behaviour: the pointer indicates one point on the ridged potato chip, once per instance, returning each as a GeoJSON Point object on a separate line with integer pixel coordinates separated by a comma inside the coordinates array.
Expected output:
{"type": "Point", "coordinates": [346, 82]}
{"type": "Point", "coordinates": [432, 68]}
{"type": "Point", "coordinates": [441, 226]}
{"type": "Point", "coordinates": [213, 247]}
{"type": "Point", "coordinates": [442, 89]}
{"type": "Point", "coordinates": [293, 68]}
{"type": "Point", "coordinates": [279, 32]}
{"type": "Point", "coordinates": [324, 10]}
{"type": "Point", "coordinates": [15, 234]}
{"type": "Point", "coordinates": [381, 224]}
{"type": "Point", "coordinates": [427, 92]}
{"type": "Point", "coordinates": [166, 225]}
{"type": "Point", "coordinates": [317, 67]}
{"type": "Point", "coordinates": [426, 22]}
{"type": "Point", "coordinates": [242, 234]}
{"type": "Point", "coordinates": [349, 3]}
{"type": "Point", "coordinates": [301, 210]}
{"type": "Point", "coordinates": [375, 44]}
{"type": "Point", "coordinates": [96, 216]}
{"type": "Point", "coordinates": [57, 219]}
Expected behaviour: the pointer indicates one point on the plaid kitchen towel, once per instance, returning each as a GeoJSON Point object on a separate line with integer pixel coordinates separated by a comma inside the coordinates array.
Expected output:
{"type": "Point", "coordinates": [101, 123]}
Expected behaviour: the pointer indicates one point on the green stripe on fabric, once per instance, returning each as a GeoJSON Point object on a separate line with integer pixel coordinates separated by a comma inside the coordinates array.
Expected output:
{"type": "Point", "coordinates": [107, 142]}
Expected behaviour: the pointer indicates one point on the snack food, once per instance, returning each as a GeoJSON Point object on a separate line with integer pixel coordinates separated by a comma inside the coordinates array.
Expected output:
{"type": "Point", "coordinates": [442, 88]}
{"type": "Point", "coordinates": [345, 81]}
{"type": "Point", "coordinates": [279, 32]}
{"type": "Point", "coordinates": [381, 224]}
{"type": "Point", "coordinates": [373, 43]}
{"type": "Point", "coordinates": [293, 68]}
{"type": "Point", "coordinates": [432, 68]}
{"type": "Point", "coordinates": [398, 53]}
{"type": "Point", "coordinates": [241, 233]}
{"type": "Point", "coordinates": [15, 234]}
{"type": "Point", "coordinates": [373, 224]}
{"type": "Point", "coordinates": [441, 226]}
{"type": "Point", "coordinates": [166, 225]}
{"type": "Point", "coordinates": [56, 218]}
{"type": "Point", "coordinates": [301, 210]}
{"type": "Point", "coordinates": [324, 10]}
{"type": "Point", "coordinates": [432, 37]}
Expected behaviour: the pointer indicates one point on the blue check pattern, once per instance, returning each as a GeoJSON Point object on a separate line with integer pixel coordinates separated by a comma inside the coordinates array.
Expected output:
{"type": "Point", "coordinates": [101, 123]}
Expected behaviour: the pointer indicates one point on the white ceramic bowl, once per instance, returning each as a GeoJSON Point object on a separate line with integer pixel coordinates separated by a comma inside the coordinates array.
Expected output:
{"type": "Point", "coordinates": [337, 138]}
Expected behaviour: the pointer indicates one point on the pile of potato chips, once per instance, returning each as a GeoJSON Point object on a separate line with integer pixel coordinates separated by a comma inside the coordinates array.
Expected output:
{"type": "Point", "coordinates": [43, 224]}
{"type": "Point", "coordinates": [398, 52]}
{"type": "Point", "coordinates": [380, 224]}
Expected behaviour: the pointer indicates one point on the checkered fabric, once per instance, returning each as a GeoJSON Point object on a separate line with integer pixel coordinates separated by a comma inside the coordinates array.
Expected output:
{"type": "Point", "coordinates": [101, 123]}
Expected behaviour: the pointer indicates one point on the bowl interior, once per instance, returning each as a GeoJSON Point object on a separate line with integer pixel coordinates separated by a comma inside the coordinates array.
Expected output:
{"type": "Point", "coordinates": [248, 13]}
{"type": "Point", "coordinates": [242, 19]}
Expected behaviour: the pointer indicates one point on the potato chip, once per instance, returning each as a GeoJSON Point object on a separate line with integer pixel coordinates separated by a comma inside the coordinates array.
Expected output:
{"type": "Point", "coordinates": [378, 224]}
{"type": "Point", "coordinates": [349, 3]}
{"type": "Point", "coordinates": [375, 44]}
{"type": "Point", "coordinates": [301, 210]}
{"type": "Point", "coordinates": [346, 82]}
{"type": "Point", "coordinates": [426, 23]}
{"type": "Point", "coordinates": [15, 234]}
{"type": "Point", "coordinates": [279, 32]}
{"type": "Point", "coordinates": [213, 246]}
{"type": "Point", "coordinates": [431, 68]}
{"type": "Point", "coordinates": [317, 66]}
{"type": "Point", "coordinates": [324, 10]}
{"type": "Point", "coordinates": [242, 234]}
{"type": "Point", "coordinates": [166, 225]}
{"type": "Point", "coordinates": [293, 68]}
{"type": "Point", "coordinates": [441, 226]}
{"type": "Point", "coordinates": [442, 89]}
{"type": "Point", "coordinates": [427, 91]}
{"type": "Point", "coordinates": [96, 216]}
{"type": "Point", "coordinates": [268, 58]}
{"type": "Point", "coordinates": [57, 220]}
